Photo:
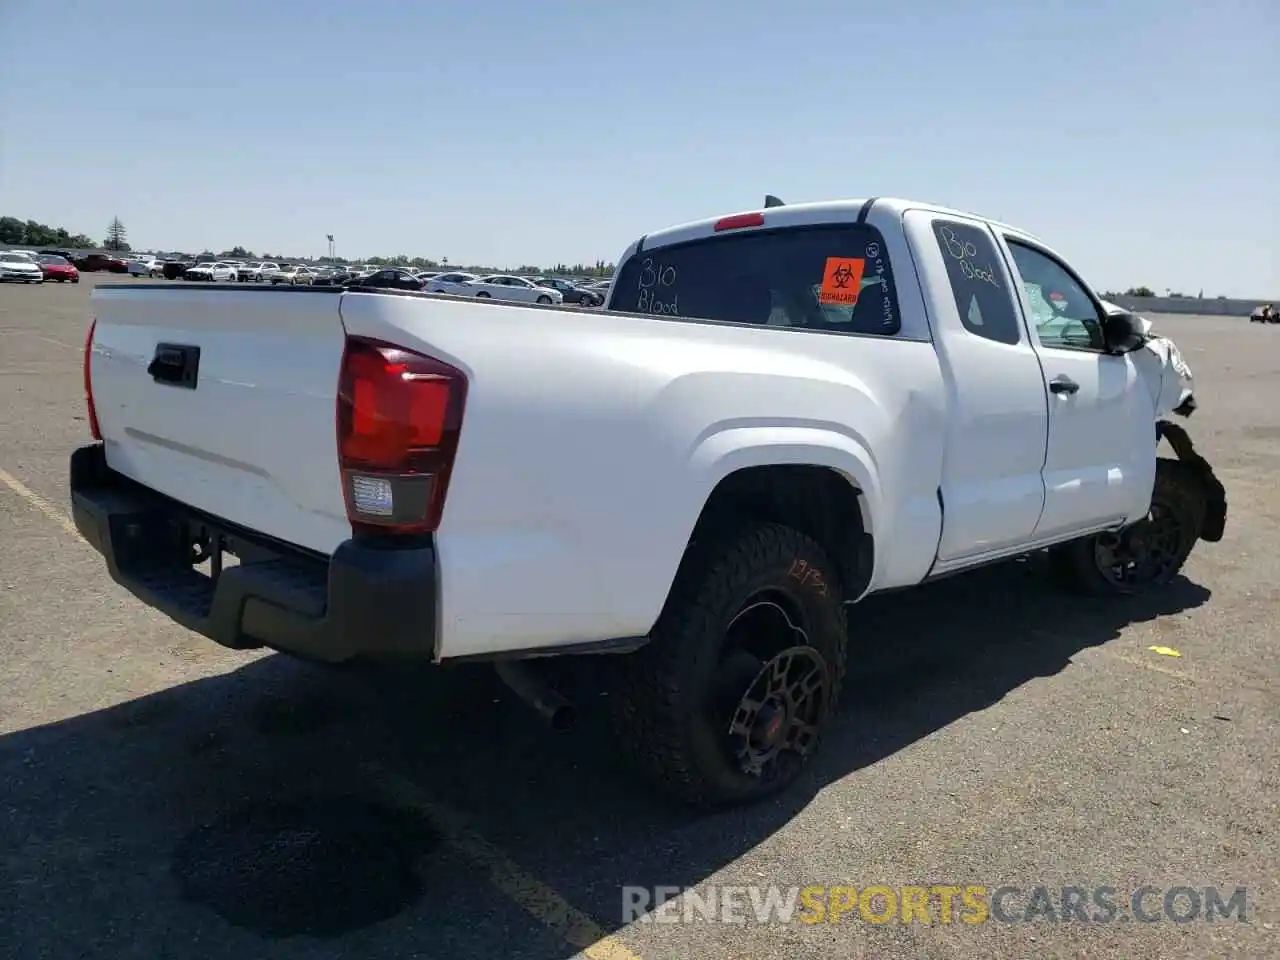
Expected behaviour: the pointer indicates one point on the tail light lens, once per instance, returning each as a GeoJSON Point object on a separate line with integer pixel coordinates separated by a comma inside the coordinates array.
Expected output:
{"type": "Point", "coordinates": [88, 382]}
{"type": "Point", "coordinates": [399, 417]}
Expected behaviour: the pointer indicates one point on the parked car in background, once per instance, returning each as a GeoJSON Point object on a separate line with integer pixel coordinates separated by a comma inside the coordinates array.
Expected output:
{"type": "Point", "coordinates": [292, 274]}
{"type": "Point", "coordinates": [600, 288]}
{"type": "Point", "coordinates": [93, 262]}
{"type": "Point", "coordinates": [19, 267]}
{"type": "Point", "coordinates": [57, 268]}
{"type": "Point", "coordinates": [391, 278]}
{"type": "Point", "coordinates": [1264, 313]}
{"type": "Point", "coordinates": [572, 292]}
{"type": "Point", "coordinates": [145, 266]}
{"type": "Point", "coordinates": [333, 277]}
{"type": "Point", "coordinates": [517, 289]}
{"type": "Point", "coordinates": [212, 272]}
{"type": "Point", "coordinates": [256, 271]}
{"type": "Point", "coordinates": [455, 283]}
{"type": "Point", "coordinates": [175, 269]}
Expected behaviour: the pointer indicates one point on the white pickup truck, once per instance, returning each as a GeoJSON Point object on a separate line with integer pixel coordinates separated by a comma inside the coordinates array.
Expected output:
{"type": "Point", "coordinates": [778, 413]}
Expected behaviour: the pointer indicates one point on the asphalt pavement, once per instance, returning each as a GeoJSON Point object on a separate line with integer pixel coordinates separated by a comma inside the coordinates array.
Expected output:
{"type": "Point", "coordinates": [163, 797]}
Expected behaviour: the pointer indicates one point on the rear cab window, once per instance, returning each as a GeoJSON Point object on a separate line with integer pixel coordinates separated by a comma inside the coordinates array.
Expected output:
{"type": "Point", "coordinates": [834, 278]}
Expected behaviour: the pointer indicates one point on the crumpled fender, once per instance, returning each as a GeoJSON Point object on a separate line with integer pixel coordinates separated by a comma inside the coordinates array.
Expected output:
{"type": "Point", "coordinates": [1168, 376]}
{"type": "Point", "coordinates": [1164, 370]}
{"type": "Point", "coordinates": [1171, 381]}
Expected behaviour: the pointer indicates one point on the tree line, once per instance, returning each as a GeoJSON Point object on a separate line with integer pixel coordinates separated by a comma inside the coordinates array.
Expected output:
{"type": "Point", "coordinates": [30, 233]}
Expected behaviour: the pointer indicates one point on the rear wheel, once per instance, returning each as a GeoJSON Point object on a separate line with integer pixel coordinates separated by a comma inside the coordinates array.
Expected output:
{"type": "Point", "coordinates": [482, 294]}
{"type": "Point", "coordinates": [1148, 554]}
{"type": "Point", "coordinates": [742, 672]}
{"type": "Point", "coordinates": [544, 299]}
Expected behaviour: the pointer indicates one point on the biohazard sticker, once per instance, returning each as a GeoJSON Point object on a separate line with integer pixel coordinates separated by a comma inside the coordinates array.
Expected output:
{"type": "Point", "coordinates": [842, 280]}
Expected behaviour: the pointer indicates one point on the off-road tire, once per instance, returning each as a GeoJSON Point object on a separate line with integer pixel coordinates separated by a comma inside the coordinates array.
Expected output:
{"type": "Point", "coordinates": [660, 689]}
{"type": "Point", "coordinates": [1179, 489]}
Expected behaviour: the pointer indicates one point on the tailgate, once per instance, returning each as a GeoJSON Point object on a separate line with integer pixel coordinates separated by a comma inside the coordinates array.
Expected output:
{"type": "Point", "coordinates": [224, 399]}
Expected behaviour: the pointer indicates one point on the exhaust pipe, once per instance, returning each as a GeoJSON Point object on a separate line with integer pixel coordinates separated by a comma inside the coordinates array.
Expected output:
{"type": "Point", "coordinates": [527, 684]}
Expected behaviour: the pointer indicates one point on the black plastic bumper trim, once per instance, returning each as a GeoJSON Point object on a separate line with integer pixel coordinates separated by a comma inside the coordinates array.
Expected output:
{"type": "Point", "coordinates": [369, 600]}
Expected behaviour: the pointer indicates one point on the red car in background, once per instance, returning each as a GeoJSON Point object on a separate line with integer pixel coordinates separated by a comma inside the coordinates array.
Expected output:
{"type": "Point", "coordinates": [58, 268]}
{"type": "Point", "coordinates": [100, 261]}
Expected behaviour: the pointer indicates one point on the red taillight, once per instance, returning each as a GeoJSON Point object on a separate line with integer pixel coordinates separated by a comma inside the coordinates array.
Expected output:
{"type": "Point", "coordinates": [399, 417]}
{"type": "Point", "coordinates": [88, 382]}
{"type": "Point", "coordinates": [739, 221]}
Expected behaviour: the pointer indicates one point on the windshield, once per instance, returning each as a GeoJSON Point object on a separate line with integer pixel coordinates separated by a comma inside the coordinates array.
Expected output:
{"type": "Point", "coordinates": [833, 277]}
{"type": "Point", "coordinates": [14, 258]}
{"type": "Point", "coordinates": [55, 261]}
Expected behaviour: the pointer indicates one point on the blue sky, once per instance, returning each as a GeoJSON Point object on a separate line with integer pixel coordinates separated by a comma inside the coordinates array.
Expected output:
{"type": "Point", "coordinates": [1140, 138]}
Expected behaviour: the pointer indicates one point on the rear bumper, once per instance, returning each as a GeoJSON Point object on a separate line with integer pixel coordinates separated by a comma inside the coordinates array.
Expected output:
{"type": "Point", "coordinates": [366, 601]}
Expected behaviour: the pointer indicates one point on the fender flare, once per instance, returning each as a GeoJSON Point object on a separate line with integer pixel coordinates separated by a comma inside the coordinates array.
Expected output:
{"type": "Point", "coordinates": [728, 451]}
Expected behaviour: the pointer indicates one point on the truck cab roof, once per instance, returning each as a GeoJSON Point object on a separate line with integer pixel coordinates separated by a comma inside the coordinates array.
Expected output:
{"type": "Point", "coordinates": [801, 214]}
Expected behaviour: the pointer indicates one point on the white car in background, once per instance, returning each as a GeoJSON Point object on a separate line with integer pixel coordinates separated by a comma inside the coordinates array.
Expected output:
{"type": "Point", "coordinates": [212, 271]}
{"type": "Point", "coordinates": [19, 266]}
{"type": "Point", "coordinates": [257, 271]}
{"type": "Point", "coordinates": [518, 289]}
{"type": "Point", "coordinates": [455, 283]}
{"type": "Point", "coordinates": [146, 266]}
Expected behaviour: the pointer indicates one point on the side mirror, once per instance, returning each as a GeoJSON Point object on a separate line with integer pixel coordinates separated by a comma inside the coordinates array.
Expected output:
{"type": "Point", "coordinates": [1122, 332]}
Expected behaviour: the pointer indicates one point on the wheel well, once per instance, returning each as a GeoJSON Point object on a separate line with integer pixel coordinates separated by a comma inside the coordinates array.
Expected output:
{"type": "Point", "coordinates": [819, 502]}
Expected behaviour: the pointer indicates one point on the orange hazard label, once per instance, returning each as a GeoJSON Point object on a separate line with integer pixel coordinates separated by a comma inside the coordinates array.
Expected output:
{"type": "Point", "coordinates": [841, 280]}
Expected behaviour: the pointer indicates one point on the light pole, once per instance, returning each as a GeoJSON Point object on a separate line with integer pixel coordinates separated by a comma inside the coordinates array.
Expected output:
{"type": "Point", "coordinates": [330, 236]}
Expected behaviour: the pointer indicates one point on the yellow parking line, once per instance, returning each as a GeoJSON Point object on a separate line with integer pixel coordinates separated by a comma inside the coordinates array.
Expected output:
{"type": "Point", "coordinates": [528, 892]}
{"type": "Point", "coordinates": [533, 896]}
{"type": "Point", "coordinates": [50, 510]}
{"type": "Point", "coordinates": [1149, 665]}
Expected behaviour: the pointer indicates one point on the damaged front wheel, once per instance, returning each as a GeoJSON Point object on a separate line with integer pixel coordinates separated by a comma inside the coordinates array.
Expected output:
{"type": "Point", "coordinates": [1147, 554]}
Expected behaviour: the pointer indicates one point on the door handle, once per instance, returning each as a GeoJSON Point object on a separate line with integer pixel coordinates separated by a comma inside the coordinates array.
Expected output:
{"type": "Point", "coordinates": [1063, 384]}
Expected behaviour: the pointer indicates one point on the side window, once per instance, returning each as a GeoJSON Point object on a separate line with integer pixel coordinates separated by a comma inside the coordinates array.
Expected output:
{"type": "Point", "coordinates": [1063, 313]}
{"type": "Point", "coordinates": [983, 298]}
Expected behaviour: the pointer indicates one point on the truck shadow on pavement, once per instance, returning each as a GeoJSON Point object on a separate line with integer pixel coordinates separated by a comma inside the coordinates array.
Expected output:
{"type": "Point", "coordinates": [258, 805]}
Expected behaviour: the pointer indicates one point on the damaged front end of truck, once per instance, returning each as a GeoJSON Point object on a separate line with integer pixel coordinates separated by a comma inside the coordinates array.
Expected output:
{"type": "Point", "coordinates": [1188, 502]}
{"type": "Point", "coordinates": [1172, 385]}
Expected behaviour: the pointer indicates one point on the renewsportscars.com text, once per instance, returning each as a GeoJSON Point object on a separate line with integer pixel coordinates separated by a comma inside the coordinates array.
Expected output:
{"type": "Point", "coordinates": [967, 904]}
